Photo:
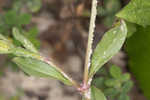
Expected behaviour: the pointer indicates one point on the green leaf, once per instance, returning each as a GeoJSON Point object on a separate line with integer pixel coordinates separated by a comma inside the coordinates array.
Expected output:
{"type": "Point", "coordinates": [5, 45]}
{"type": "Point", "coordinates": [123, 97]}
{"type": "Point", "coordinates": [33, 32]}
{"type": "Point", "coordinates": [115, 72]}
{"type": "Point", "coordinates": [39, 69]}
{"type": "Point", "coordinates": [112, 83]}
{"type": "Point", "coordinates": [32, 36]}
{"type": "Point", "coordinates": [137, 11]}
{"type": "Point", "coordinates": [111, 92]}
{"type": "Point", "coordinates": [138, 50]}
{"type": "Point", "coordinates": [97, 94]}
{"type": "Point", "coordinates": [35, 42]}
{"type": "Point", "coordinates": [110, 44]}
{"type": "Point", "coordinates": [125, 77]}
{"type": "Point", "coordinates": [3, 37]}
{"type": "Point", "coordinates": [21, 52]}
{"type": "Point", "coordinates": [24, 19]}
{"type": "Point", "coordinates": [99, 82]}
{"type": "Point", "coordinates": [10, 18]}
{"type": "Point", "coordinates": [34, 5]}
{"type": "Point", "coordinates": [127, 86]}
{"type": "Point", "coordinates": [131, 29]}
{"type": "Point", "coordinates": [25, 42]}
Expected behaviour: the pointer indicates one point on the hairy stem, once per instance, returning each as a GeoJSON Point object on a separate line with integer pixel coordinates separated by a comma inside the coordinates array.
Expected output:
{"type": "Point", "coordinates": [90, 41]}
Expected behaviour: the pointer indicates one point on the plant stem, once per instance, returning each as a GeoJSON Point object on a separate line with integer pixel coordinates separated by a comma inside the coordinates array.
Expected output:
{"type": "Point", "coordinates": [90, 41]}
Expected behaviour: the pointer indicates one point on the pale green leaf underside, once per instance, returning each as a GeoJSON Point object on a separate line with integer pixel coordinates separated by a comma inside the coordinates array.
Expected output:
{"type": "Point", "coordinates": [2, 37]}
{"type": "Point", "coordinates": [39, 69]}
{"type": "Point", "coordinates": [110, 44]}
{"type": "Point", "coordinates": [97, 94]}
{"type": "Point", "coordinates": [137, 11]}
{"type": "Point", "coordinates": [5, 45]}
{"type": "Point", "coordinates": [21, 52]}
{"type": "Point", "coordinates": [23, 40]}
